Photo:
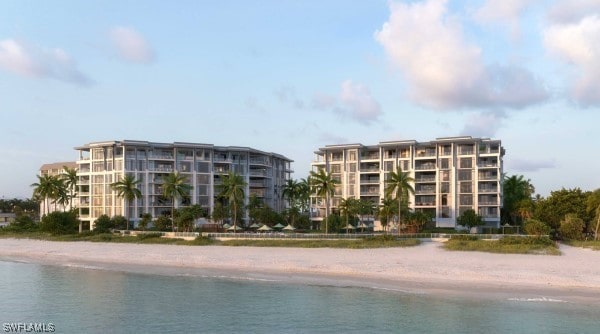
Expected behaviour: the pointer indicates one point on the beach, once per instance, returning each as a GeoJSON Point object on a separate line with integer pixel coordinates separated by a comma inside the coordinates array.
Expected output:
{"type": "Point", "coordinates": [427, 268]}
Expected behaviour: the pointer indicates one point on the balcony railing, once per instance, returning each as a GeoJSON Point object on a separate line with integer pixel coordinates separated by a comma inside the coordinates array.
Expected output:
{"type": "Point", "coordinates": [425, 179]}
{"type": "Point", "coordinates": [488, 176]}
{"type": "Point", "coordinates": [488, 202]}
{"type": "Point", "coordinates": [425, 166]}
{"type": "Point", "coordinates": [426, 203]}
{"type": "Point", "coordinates": [161, 157]}
{"type": "Point", "coordinates": [259, 162]}
{"type": "Point", "coordinates": [488, 189]}
{"type": "Point", "coordinates": [369, 169]}
{"type": "Point", "coordinates": [487, 164]}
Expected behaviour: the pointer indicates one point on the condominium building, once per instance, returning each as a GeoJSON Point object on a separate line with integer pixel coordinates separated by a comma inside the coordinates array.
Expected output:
{"type": "Point", "coordinates": [203, 165]}
{"type": "Point", "coordinates": [451, 175]}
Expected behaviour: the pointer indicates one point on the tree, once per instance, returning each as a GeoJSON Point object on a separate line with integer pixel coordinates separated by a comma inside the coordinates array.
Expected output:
{"type": "Point", "coordinates": [323, 185]}
{"type": "Point", "coordinates": [103, 224]}
{"type": "Point", "coordinates": [174, 187]}
{"type": "Point", "coordinates": [536, 227]}
{"type": "Point", "coordinates": [219, 212]}
{"type": "Point", "coordinates": [387, 209]}
{"type": "Point", "coordinates": [470, 219]}
{"type": "Point", "coordinates": [59, 223]}
{"type": "Point", "coordinates": [571, 227]}
{"type": "Point", "coordinates": [127, 189]}
{"type": "Point", "coordinates": [49, 189]}
{"type": "Point", "coordinates": [163, 223]}
{"type": "Point", "coordinates": [304, 194]}
{"type": "Point", "coordinates": [254, 206]}
{"type": "Point", "coordinates": [70, 179]}
{"type": "Point", "coordinates": [349, 206]}
{"type": "Point", "coordinates": [146, 219]}
{"type": "Point", "coordinates": [517, 192]}
{"type": "Point", "coordinates": [186, 216]}
{"type": "Point", "coordinates": [290, 192]}
{"type": "Point", "coordinates": [593, 209]}
{"type": "Point", "coordinates": [233, 189]}
{"type": "Point", "coordinates": [560, 203]}
{"type": "Point", "coordinates": [398, 184]}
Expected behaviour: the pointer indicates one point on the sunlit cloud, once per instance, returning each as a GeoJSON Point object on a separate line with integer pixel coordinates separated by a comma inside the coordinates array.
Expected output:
{"type": "Point", "coordinates": [577, 42]}
{"type": "Point", "coordinates": [354, 101]}
{"type": "Point", "coordinates": [35, 62]}
{"type": "Point", "coordinates": [443, 70]}
{"type": "Point", "coordinates": [131, 45]}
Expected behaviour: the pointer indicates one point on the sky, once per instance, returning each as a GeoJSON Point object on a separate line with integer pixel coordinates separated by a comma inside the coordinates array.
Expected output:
{"type": "Point", "coordinates": [293, 76]}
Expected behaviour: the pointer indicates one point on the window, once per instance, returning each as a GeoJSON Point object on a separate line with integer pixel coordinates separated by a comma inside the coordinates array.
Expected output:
{"type": "Point", "coordinates": [444, 163]}
{"type": "Point", "coordinates": [466, 163]}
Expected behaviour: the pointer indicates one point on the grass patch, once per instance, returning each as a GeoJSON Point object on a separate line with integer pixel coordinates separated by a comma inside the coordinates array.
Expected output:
{"type": "Point", "coordinates": [592, 244]}
{"type": "Point", "coordinates": [506, 245]}
{"type": "Point", "coordinates": [147, 238]}
{"type": "Point", "coordinates": [373, 242]}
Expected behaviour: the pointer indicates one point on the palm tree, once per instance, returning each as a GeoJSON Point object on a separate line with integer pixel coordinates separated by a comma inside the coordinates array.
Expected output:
{"type": "Point", "coordinates": [349, 206]}
{"type": "Point", "coordinates": [127, 189]}
{"type": "Point", "coordinates": [323, 185]}
{"type": "Point", "coordinates": [232, 188]}
{"type": "Point", "coordinates": [290, 192]}
{"type": "Point", "coordinates": [399, 183]}
{"type": "Point", "coordinates": [174, 187]}
{"type": "Point", "coordinates": [51, 188]}
{"type": "Point", "coordinates": [386, 210]}
{"type": "Point", "coordinates": [517, 190]}
{"type": "Point", "coordinates": [43, 189]}
{"type": "Point", "coordinates": [304, 194]}
{"type": "Point", "coordinates": [70, 179]}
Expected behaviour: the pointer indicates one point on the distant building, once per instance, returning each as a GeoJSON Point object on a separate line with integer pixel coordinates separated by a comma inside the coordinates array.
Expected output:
{"type": "Point", "coordinates": [102, 163]}
{"type": "Point", "coordinates": [55, 169]}
{"type": "Point", "coordinates": [7, 219]}
{"type": "Point", "coordinates": [451, 175]}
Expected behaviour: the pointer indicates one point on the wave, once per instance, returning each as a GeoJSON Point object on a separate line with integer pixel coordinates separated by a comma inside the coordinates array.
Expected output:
{"type": "Point", "coordinates": [538, 300]}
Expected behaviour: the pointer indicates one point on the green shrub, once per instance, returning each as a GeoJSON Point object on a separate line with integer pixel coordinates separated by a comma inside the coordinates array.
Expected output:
{"type": "Point", "coordinates": [120, 222]}
{"type": "Point", "coordinates": [572, 227]}
{"type": "Point", "coordinates": [149, 236]}
{"type": "Point", "coordinates": [536, 227]}
{"type": "Point", "coordinates": [59, 223]}
{"type": "Point", "coordinates": [464, 237]}
{"type": "Point", "coordinates": [103, 224]}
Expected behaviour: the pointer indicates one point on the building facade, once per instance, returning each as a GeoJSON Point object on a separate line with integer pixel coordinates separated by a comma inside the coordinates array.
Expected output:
{"type": "Point", "coordinates": [451, 175]}
{"type": "Point", "coordinates": [102, 163]}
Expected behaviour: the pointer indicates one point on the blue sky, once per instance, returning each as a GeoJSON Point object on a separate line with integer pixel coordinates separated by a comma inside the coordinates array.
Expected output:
{"type": "Point", "coordinates": [292, 76]}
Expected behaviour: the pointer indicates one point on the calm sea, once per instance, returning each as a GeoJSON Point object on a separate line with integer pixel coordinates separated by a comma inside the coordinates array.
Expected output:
{"type": "Point", "coordinates": [78, 300]}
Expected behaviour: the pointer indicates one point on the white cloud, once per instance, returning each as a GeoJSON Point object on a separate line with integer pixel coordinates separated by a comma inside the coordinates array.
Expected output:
{"type": "Point", "coordinates": [483, 124]}
{"type": "Point", "coordinates": [131, 46]}
{"type": "Point", "coordinates": [504, 12]}
{"type": "Point", "coordinates": [572, 11]}
{"type": "Point", "coordinates": [442, 69]}
{"type": "Point", "coordinates": [31, 61]}
{"type": "Point", "coordinates": [578, 43]}
{"type": "Point", "coordinates": [354, 101]}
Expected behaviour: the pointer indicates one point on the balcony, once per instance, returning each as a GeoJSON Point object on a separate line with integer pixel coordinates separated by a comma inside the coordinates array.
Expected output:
{"type": "Point", "coordinates": [259, 161]}
{"type": "Point", "coordinates": [370, 156]}
{"type": "Point", "coordinates": [487, 164]}
{"type": "Point", "coordinates": [425, 179]}
{"type": "Point", "coordinates": [161, 156]}
{"type": "Point", "coordinates": [428, 166]}
{"type": "Point", "coordinates": [488, 176]}
{"type": "Point", "coordinates": [367, 180]}
{"type": "Point", "coordinates": [258, 173]}
{"type": "Point", "coordinates": [489, 202]}
{"type": "Point", "coordinates": [425, 153]}
{"type": "Point", "coordinates": [424, 203]}
{"type": "Point", "coordinates": [488, 189]}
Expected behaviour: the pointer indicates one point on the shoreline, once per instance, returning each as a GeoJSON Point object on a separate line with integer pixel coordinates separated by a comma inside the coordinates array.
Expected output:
{"type": "Point", "coordinates": [422, 270]}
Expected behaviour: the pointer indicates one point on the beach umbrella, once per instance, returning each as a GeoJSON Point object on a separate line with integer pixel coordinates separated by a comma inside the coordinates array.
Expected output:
{"type": "Point", "coordinates": [289, 228]}
{"type": "Point", "coordinates": [265, 228]}
{"type": "Point", "coordinates": [278, 226]}
{"type": "Point", "coordinates": [255, 225]}
{"type": "Point", "coordinates": [349, 227]}
{"type": "Point", "coordinates": [226, 226]}
{"type": "Point", "coordinates": [234, 228]}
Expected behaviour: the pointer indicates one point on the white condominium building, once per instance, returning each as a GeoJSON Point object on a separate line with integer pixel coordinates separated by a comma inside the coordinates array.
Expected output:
{"type": "Point", "coordinates": [451, 175]}
{"type": "Point", "coordinates": [102, 163]}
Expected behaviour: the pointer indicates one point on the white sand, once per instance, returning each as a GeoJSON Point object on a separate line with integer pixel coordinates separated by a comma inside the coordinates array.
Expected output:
{"type": "Point", "coordinates": [423, 268]}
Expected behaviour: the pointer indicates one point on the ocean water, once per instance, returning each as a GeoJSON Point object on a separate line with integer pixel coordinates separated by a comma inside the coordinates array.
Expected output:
{"type": "Point", "coordinates": [84, 300]}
